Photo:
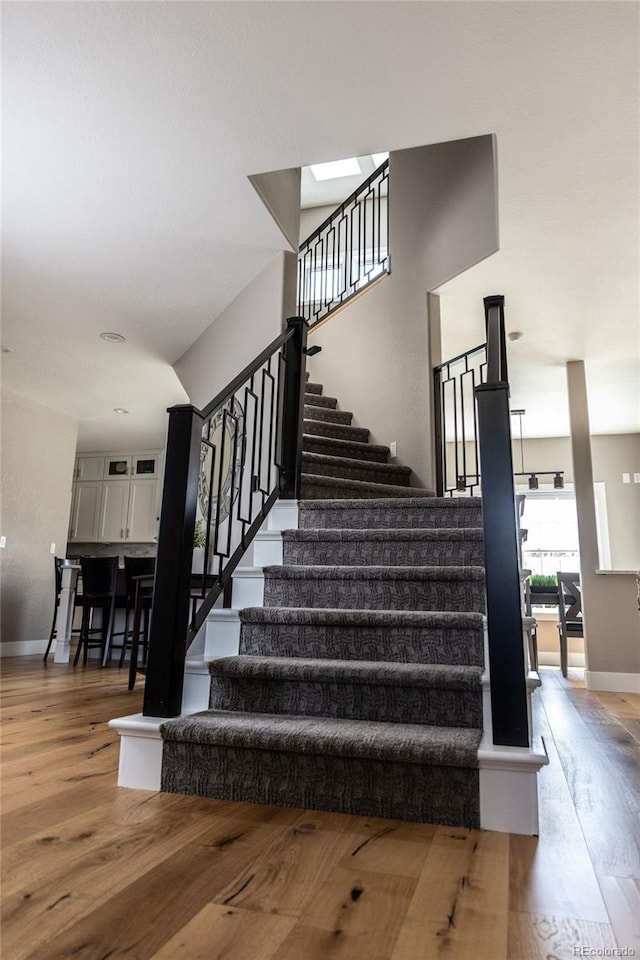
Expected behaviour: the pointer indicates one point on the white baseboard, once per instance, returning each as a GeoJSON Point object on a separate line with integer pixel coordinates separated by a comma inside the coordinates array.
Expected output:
{"type": "Point", "coordinates": [140, 765]}
{"type": "Point", "coordinates": [551, 658]}
{"type": "Point", "coordinates": [612, 682]}
{"type": "Point", "coordinates": [509, 786]}
{"type": "Point", "coordinates": [24, 648]}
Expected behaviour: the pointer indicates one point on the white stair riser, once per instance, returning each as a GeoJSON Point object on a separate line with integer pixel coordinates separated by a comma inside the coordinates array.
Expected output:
{"type": "Point", "coordinates": [223, 634]}
{"type": "Point", "coordinates": [248, 588]}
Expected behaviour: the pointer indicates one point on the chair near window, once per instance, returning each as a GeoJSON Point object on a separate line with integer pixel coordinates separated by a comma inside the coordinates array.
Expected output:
{"type": "Point", "coordinates": [570, 613]}
{"type": "Point", "coordinates": [99, 585]}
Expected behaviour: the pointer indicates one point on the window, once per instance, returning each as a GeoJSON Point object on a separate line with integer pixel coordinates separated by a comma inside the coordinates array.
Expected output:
{"type": "Point", "coordinates": [552, 532]}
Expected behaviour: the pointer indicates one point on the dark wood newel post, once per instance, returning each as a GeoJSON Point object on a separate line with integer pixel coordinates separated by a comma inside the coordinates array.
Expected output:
{"type": "Point", "coordinates": [170, 611]}
{"type": "Point", "coordinates": [504, 602]}
{"type": "Point", "coordinates": [293, 408]}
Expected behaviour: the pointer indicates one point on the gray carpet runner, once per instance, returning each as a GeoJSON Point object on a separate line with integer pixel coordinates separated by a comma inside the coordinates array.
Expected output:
{"type": "Point", "coordinates": [358, 684]}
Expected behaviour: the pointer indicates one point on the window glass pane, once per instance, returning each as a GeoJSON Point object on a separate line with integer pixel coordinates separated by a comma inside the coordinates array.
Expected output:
{"type": "Point", "coordinates": [552, 534]}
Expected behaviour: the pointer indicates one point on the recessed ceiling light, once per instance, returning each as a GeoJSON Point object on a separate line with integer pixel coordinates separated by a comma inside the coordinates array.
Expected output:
{"type": "Point", "coordinates": [379, 158]}
{"type": "Point", "coordinates": [335, 169]}
{"type": "Point", "coordinates": [6, 349]}
{"type": "Point", "coordinates": [112, 337]}
{"type": "Point", "coordinates": [120, 410]}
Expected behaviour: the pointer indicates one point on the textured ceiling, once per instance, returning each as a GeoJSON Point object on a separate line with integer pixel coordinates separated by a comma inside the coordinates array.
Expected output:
{"type": "Point", "coordinates": [130, 129]}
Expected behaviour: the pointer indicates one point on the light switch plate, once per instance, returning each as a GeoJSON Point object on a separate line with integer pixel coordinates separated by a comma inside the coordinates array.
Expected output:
{"type": "Point", "coordinates": [393, 449]}
{"type": "Point", "coordinates": [52, 549]}
{"type": "Point", "coordinates": [3, 541]}
{"type": "Point", "coordinates": [636, 478]}
{"type": "Point", "coordinates": [626, 478]}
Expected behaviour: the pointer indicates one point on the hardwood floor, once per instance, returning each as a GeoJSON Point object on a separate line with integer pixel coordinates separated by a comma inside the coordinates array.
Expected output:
{"type": "Point", "coordinates": [93, 872]}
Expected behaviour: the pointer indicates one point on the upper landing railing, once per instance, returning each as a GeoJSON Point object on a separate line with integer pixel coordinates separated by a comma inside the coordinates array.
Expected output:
{"type": "Point", "coordinates": [347, 252]}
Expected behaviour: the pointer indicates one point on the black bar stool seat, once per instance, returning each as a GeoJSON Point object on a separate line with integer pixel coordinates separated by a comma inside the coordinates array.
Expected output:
{"type": "Point", "coordinates": [99, 584]}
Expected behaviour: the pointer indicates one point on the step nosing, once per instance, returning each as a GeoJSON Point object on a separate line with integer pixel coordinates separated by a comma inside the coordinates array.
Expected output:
{"type": "Point", "coordinates": [372, 572]}
{"type": "Point", "coordinates": [464, 677]}
{"type": "Point", "coordinates": [348, 463]}
{"type": "Point", "coordinates": [351, 535]}
{"type": "Point", "coordinates": [364, 739]}
{"type": "Point", "coordinates": [364, 617]}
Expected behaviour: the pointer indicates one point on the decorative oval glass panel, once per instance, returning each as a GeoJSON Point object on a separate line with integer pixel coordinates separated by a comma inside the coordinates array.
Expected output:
{"type": "Point", "coordinates": [220, 461]}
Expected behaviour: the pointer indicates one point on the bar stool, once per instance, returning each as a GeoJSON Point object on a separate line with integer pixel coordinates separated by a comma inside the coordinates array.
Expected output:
{"type": "Point", "coordinates": [58, 564]}
{"type": "Point", "coordinates": [137, 567]}
{"type": "Point", "coordinates": [99, 582]}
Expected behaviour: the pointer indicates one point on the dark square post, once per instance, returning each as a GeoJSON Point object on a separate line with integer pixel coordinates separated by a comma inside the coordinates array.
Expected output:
{"type": "Point", "coordinates": [171, 595]}
{"type": "Point", "coordinates": [293, 409]}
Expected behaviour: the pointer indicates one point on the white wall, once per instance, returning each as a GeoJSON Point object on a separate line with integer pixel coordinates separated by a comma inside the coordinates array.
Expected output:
{"type": "Point", "coordinates": [241, 331]}
{"type": "Point", "coordinates": [280, 193]}
{"type": "Point", "coordinates": [375, 352]}
{"type": "Point", "coordinates": [38, 451]}
{"type": "Point", "coordinates": [612, 455]}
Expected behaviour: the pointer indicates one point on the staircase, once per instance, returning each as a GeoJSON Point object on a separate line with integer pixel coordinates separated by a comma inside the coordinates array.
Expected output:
{"type": "Point", "coordinates": [338, 461]}
{"type": "Point", "coordinates": [357, 687]}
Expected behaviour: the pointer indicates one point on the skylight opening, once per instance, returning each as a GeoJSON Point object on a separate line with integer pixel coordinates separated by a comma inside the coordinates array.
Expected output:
{"type": "Point", "coordinates": [335, 169]}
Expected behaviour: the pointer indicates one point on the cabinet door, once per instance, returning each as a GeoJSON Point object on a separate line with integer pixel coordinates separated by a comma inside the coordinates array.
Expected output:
{"type": "Point", "coordinates": [113, 511]}
{"type": "Point", "coordinates": [117, 467]}
{"type": "Point", "coordinates": [141, 518]}
{"type": "Point", "coordinates": [145, 465]}
{"type": "Point", "coordinates": [89, 468]}
{"type": "Point", "coordinates": [85, 511]}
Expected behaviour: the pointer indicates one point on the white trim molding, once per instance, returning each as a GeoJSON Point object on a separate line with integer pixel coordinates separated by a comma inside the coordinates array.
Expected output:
{"type": "Point", "coordinates": [509, 786]}
{"type": "Point", "coordinates": [140, 765]}
{"type": "Point", "coordinates": [612, 682]}
{"type": "Point", "coordinates": [23, 648]}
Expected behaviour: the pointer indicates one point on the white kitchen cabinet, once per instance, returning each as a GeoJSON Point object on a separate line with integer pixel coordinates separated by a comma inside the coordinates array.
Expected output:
{"type": "Point", "coordinates": [120, 502]}
{"type": "Point", "coordinates": [142, 512]}
{"type": "Point", "coordinates": [145, 465]}
{"type": "Point", "coordinates": [125, 466]}
{"type": "Point", "coordinates": [113, 511]}
{"type": "Point", "coordinates": [89, 468]}
{"type": "Point", "coordinates": [85, 510]}
{"type": "Point", "coordinates": [117, 467]}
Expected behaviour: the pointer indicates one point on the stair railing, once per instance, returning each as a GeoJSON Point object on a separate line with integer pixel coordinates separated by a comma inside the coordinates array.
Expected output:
{"type": "Point", "coordinates": [225, 467]}
{"type": "Point", "coordinates": [504, 602]}
{"type": "Point", "coordinates": [457, 456]}
{"type": "Point", "coordinates": [346, 253]}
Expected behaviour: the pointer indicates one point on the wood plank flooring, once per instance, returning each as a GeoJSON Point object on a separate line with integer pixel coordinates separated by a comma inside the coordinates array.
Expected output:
{"type": "Point", "coordinates": [91, 871]}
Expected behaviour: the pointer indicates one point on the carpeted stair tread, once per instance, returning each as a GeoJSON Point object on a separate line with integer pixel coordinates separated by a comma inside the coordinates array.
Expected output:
{"type": "Point", "coordinates": [316, 400]}
{"type": "Point", "coordinates": [311, 387]}
{"type": "Point", "coordinates": [422, 619]}
{"type": "Point", "coordinates": [377, 691]}
{"type": "Point", "coordinates": [376, 587]}
{"type": "Point", "coordinates": [429, 574]}
{"type": "Point", "coordinates": [395, 742]}
{"type": "Point", "coordinates": [403, 511]}
{"type": "Point", "coordinates": [439, 676]}
{"type": "Point", "coordinates": [344, 468]}
{"type": "Point", "coordinates": [341, 535]}
{"type": "Point", "coordinates": [327, 414]}
{"type": "Point", "coordinates": [409, 547]}
{"type": "Point", "coordinates": [316, 487]}
{"type": "Point", "coordinates": [353, 449]}
{"type": "Point", "coordinates": [335, 431]}
{"type": "Point", "coordinates": [401, 636]}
